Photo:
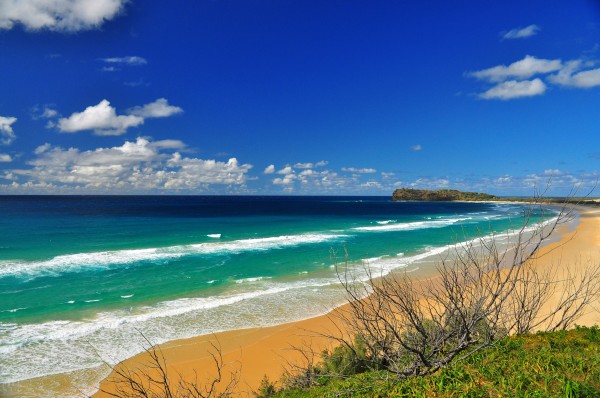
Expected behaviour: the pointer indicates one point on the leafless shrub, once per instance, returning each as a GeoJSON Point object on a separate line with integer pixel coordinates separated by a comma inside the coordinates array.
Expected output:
{"type": "Point", "coordinates": [483, 292]}
{"type": "Point", "coordinates": [153, 380]}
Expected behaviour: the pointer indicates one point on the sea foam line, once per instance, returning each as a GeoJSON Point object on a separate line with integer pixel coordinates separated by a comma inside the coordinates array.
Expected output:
{"type": "Point", "coordinates": [410, 226]}
{"type": "Point", "coordinates": [21, 344]}
{"type": "Point", "coordinates": [106, 259]}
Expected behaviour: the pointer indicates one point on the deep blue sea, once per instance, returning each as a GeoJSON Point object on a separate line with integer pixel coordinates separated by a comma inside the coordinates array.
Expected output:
{"type": "Point", "coordinates": [82, 276]}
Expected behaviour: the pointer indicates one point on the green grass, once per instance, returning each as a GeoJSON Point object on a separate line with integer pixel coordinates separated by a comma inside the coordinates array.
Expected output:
{"type": "Point", "coordinates": [560, 364]}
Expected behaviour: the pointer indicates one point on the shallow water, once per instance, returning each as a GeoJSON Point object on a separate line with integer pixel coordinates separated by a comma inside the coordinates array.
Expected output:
{"type": "Point", "coordinates": [81, 277]}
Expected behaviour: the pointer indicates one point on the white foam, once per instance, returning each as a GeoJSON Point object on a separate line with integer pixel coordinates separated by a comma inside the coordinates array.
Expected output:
{"type": "Point", "coordinates": [107, 259]}
{"type": "Point", "coordinates": [92, 301]}
{"type": "Point", "coordinates": [40, 349]}
{"type": "Point", "coordinates": [385, 222]}
{"type": "Point", "coordinates": [214, 236]}
{"type": "Point", "coordinates": [250, 280]}
{"type": "Point", "coordinates": [127, 296]}
{"type": "Point", "coordinates": [412, 225]}
{"type": "Point", "coordinates": [15, 309]}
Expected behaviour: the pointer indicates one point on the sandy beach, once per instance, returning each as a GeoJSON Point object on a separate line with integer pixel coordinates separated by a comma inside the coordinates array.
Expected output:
{"type": "Point", "coordinates": [266, 351]}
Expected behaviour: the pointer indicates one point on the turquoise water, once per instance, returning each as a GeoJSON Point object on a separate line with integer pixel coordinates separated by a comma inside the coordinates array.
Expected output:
{"type": "Point", "coordinates": [81, 277]}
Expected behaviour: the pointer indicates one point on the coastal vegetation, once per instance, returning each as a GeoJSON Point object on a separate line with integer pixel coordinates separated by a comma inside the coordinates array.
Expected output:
{"type": "Point", "coordinates": [485, 291]}
{"type": "Point", "coordinates": [545, 364]}
{"type": "Point", "coordinates": [441, 195]}
{"type": "Point", "coordinates": [452, 195]}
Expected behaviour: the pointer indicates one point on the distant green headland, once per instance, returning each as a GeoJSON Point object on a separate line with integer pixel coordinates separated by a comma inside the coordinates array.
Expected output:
{"type": "Point", "coordinates": [441, 195]}
{"type": "Point", "coordinates": [449, 195]}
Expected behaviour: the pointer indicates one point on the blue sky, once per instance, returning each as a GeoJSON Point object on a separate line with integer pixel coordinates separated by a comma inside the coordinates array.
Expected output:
{"type": "Point", "coordinates": [307, 97]}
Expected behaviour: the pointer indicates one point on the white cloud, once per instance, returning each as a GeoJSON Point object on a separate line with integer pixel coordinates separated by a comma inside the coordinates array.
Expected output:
{"type": "Point", "coordinates": [270, 169]}
{"type": "Point", "coordinates": [58, 15]}
{"type": "Point", "coordinates": [4, 158]}
{"type": "Point", "coordinates": [416, 148]}
{"type": "Point", "coordinates": [430, 183]}
{"type": "Point", "coordinates": [44, 112]}
{"type": "Point", "coordinates": [42, 148]}
{"type": "Point", "coordinates": [521, 33]}
{"type": "Point", "coordinates": [571, 75]}
{"type": "Point", "coordinates": [194, 172]}
{"type": "Point", "coordinates": [515, 89]}
{"type": "Point", "coordinates": [372, 184]}
{"type": "Point", "coordinates": [158, 108]}
{"type": "Point", "coordinates": [142, 165]}
{"type": "Point", "coordinates": [101, 118]}
{"type": "Point", "coordinates": [552, 172]}
{"type": "Point", "coordinates": [130, 60]}
{"type": "Point", "coordinates": [286, 180]}
{"type": "Point", "coordinates": [49, 113]}
{"type": "Point", "coordinates": [311, 165]}
{"type": "Point", "coordinates": [523, 69]}
{"type": "Point", "coordinates": [286, 170]}
{"type": "Point", "coordinates": [308, 172]}
{"type": "Point", "coordinates": [361, 171]}
{"type": "Point", "coordinates": [7, 135]}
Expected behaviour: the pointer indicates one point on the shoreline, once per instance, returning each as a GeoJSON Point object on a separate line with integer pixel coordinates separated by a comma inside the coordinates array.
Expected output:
{"type": "Point", "coordinates": [265, 350]}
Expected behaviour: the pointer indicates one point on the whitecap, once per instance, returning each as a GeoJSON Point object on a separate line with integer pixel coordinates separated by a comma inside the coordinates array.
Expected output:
{"type": "Point", "coordinates": [409, 226]}
{"type": "Point", "coordinates": [254, 279]}
{"type": "Point", "coordinates": [107, 259]}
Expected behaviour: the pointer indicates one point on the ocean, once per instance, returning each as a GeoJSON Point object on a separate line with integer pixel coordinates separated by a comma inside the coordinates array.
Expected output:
{"type": "Point", "coordinates": [83, 277]}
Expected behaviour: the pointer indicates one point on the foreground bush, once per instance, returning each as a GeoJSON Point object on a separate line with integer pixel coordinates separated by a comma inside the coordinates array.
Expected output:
{"type": "Point", "coordinates": [549, 364]}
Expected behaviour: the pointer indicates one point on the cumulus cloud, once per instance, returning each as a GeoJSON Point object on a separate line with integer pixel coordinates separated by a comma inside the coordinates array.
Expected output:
{"type": "Point", "coordinates": [4, 158]}
{"type": "Point", "coordinates": [129, 60]}
{"type": "Point", "coordinates": [552, 172]}
{"type": "Point", "coordinates": [513, 81]}
{"type": "Point", "coordinates": [101, 118]}
{"type": "Point", "coordinates": [42, 148]}
{"type": "Point", "coordinates": [270, 169]}
{"type": "Point", "coordinates": [512, 89]}
{"type": "Point", "coordinates": [43, 112]}
{"type": "Point", "coordinates": [522, 69]}
{"type": "Point", "coordinates": [572, 75]}
{"type": "Point", "coordinates": [141, 165]}
{"type": "Point", "coordinates": [521, 33]}
{"type": "Point", "coordinates": [286, 180]}
{"type": "Point", "coordinates": [7, 135]}
{"type": "Point", "coordinates": [361, 171]}
{"type": "Point", "coordinates": [311, 165]}
{"type": "Point", "coordinates": [286, 170]}
{"type": "Point", "coordinates": [158, 108]}
{"type": "Point", "coordinates": [58, 15]}
{"type": "Point", "coordinates": [416, 148]}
